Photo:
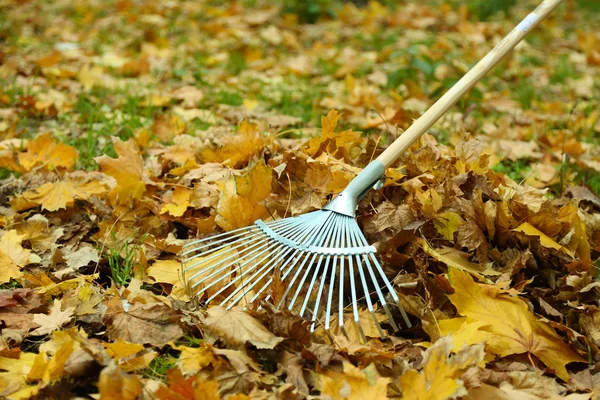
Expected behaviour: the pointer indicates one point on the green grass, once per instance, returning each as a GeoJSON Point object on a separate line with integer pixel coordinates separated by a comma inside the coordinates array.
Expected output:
{"type": "Point", "coordinates": [517, 171]}
{"type": "Point", "coordinates": [122, 258]}
{"type": "Point", "coordinates": [563, 70]}
{"type": "Point", "coordinates": [526, 95]}
{"type": "Point", "coordinates": [159, 367]}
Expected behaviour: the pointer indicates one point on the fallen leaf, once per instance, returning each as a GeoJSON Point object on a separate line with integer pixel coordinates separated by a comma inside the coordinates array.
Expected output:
{"type": "Point", "coordinates": [114, 384]}
{"type": "Point", "coordinates": [506, 324]}
{"type": "Point", "coordinates": [53, 321]}
{"type": "Point", "coordinates": [169, 271]}
{"type": "Point", "coordinates": [127, 169]}
{"type": "Point", "coordinates": [353, 383]}
{"type": "Point", "coordinates": [236, 328]}
{"type": "Point", "coordinates": [13, 256]}
{"type": "Point", "coordinates": [239, 202]}
{"type": "Point", "coordinates": [440, 377]}
{"type": "Point", "coordinates": [545, 241]}
{"type": "Point", "coordinates": [46, 153]}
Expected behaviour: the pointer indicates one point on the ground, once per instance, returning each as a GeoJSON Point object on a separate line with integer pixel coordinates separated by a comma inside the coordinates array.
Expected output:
{"type": "Point", "coordinates": [130, 128]}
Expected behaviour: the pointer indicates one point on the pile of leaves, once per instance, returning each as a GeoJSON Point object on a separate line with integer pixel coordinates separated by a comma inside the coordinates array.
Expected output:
{"type": "Point", "coordinates": [129, 128]}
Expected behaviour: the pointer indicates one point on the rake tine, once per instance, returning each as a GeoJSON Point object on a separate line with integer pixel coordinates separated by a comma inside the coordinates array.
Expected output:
{"type": "Point", "coordinates": [319, 240]}
{"type": "Point", "coordinates": [360, 238]}
{"type": "Point", "coordinates": [274, 262]}
{"type": "Point", "coordinates": [341, 290]}
{"type": "Point", "coordinates": [226, 236]}
{"type": "Point", "coordinates": [392, 291]}
{"type": "Point", "coordinates": [353, 291]}
{"type": "Point", "coordinates": [244, 264]}
{"type": "Point", "coordinates": [296, 257]}
{"type": "Point", "coordinates": [317, 268]}
{"type": "Point", "coordinates": [332, 242]}
{"type": "Point", "coordinates": [359, 267]}
{"type": "Point", "coordinates": [333, 273]}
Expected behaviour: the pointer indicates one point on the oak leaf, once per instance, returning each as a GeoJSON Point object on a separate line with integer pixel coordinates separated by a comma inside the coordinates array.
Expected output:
{"type": "Point", "coordinates": [506, 323]}
{"type": "Point", "coordinates": [237, 327]}
{"type": "Point", "coordinates": [239, 202]}
{"type": "Point", "coordinates": [127, 169]}
{"type": "Point", "coordinates": [46, 153]}
{"type": "Point", "coordinates": [353, 383]}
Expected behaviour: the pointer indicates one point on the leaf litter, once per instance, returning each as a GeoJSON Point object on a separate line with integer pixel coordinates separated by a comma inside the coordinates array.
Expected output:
{"type": "Point", "coordinates": [129, 128]}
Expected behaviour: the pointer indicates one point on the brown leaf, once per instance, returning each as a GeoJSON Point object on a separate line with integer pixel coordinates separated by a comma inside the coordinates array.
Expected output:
{"type": "Point", "coordinates": [156, 324]}
{"type": "Point", "coordinates": [236, 327]}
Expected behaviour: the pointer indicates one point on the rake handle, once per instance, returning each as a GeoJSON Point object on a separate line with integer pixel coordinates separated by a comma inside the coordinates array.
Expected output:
{"type": "Point", "coordinates": [450, 98]}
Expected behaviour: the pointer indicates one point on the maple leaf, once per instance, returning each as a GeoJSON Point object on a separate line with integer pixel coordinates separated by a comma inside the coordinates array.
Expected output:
{"type": "Point", "coordinates": [328, 125]}
{"type": "Point", "coordinates": [13, 256]}
{"type": "Point", "coordinates": [236, 327]}
{"type": "Point", "coordinates": [239, 202]}
{"type": "Point", "coordinates": [457, 259]}
{"type": "Point", "coordinates": [545, 241]}
{"type": "Point", "coordinates": [13, 380]}
{"type": "Point", "coordinates": [127, 169]}
{"type": "Point", "coordinates": [50, 363]}
{"type": "Point", "coordinates": [353, 383]}
{"type": "Point", "coordinates": [114, 384]}
{"type": "Point", "coordinates": [180, 201]}
{"type": "Point", "coordinates": [122, 352]}
{"type": "Point", "coordinates": [238, 148]}
{"type": "Point", "coordinates": [440, 377]}
{"type": "Point", "coordinates": [53, 196]}
{"type": "Point", "coordinates": [505, 323]}
{"type": "Point", "coordinates": [45, 152]}
{"type": "Point", "coordinates": [169, 271]}
{"type": "Point", "coordinates": [153, 323]}
{"type": "Point", "coordinates": [193, 359]}
{"type": "Point", "coordinates": [53, 321]}
{"type": "Point", "coordinates": [192, 388]}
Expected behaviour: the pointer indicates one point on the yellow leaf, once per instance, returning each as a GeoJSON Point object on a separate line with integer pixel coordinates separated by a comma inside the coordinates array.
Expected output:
{"type": "Point", "coordinates": [12, 256]}
{"type": "Point", "coordinates": [457, 259]}
{"type": "Point", "coordinates": [180, 201]}
{"type": "Point", "coordinates": [545, 241]}
{"type": "Point", "coordinates": [328, 125]}
{"type": "Point", "coordinates": [50, 363]}
{"type": "Point", "coordinates": [192, 360]}
{"type": "Point", "coordinates": [169, 271]}
{"type": "Point", "coordinates": [53, 196]}
{"type": "Point", "coordinates": [578, 244]}
{"type": "Point", "coordinates": [121, 349]}
{"type": "Point", "coordinates": [127, 169]}
{"type": "Point", "coordinates": [46, 153]}
{"type": "Point", "coordinates": [447, 223]}
{"type": "Point", "coordinates": [239, 201]}
{"type": "Point", "coordinates": [392, 176]}
{"type": "Point", "coordinates": [238, 148]}
{"type": "Point", "coordinates": [440, 377]}
{"type": "Point", "coordinates": [114, 384]}
{"type": "Point", "coordinates": [509, 327]}
{"type": "Point", "coordinates": [353, 384]}
{"type": "Point", "coordinates": [13, 375]}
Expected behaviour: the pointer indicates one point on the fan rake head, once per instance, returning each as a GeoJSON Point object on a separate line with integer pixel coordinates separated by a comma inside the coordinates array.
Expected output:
{"type": "Point", "coordinates": [322, 260]}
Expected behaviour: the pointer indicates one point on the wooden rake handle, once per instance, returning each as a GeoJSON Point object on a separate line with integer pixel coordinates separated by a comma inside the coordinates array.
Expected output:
{"type": "Point", "coordinates": [488, 62]}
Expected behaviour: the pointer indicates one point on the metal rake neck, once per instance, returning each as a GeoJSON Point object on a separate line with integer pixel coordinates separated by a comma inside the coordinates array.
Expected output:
{"type": "Point", "coordinates": [345, 203]}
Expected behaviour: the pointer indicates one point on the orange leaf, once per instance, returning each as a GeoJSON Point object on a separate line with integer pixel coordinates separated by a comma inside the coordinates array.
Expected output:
{"type": "Point", "coordinates": [127, 169]}
{"type": "Point", "coordinates": [45, 152]}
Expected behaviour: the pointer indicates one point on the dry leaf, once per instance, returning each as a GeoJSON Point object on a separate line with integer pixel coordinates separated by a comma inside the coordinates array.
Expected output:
{"type": "Point", "coordinates": [53, 321]}
{"type": "Point", "coordinates": [236, 328]}
{"type": "Point", "coordinates": [506, 324]}
{"type": "Point", "coordinates": [127, 169]}
{"type": "Point", "coordinates": [353, 383]}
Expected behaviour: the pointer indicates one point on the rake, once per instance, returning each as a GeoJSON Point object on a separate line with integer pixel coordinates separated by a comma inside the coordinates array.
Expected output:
{"type": "Point", "coordinates": [322, 259]}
